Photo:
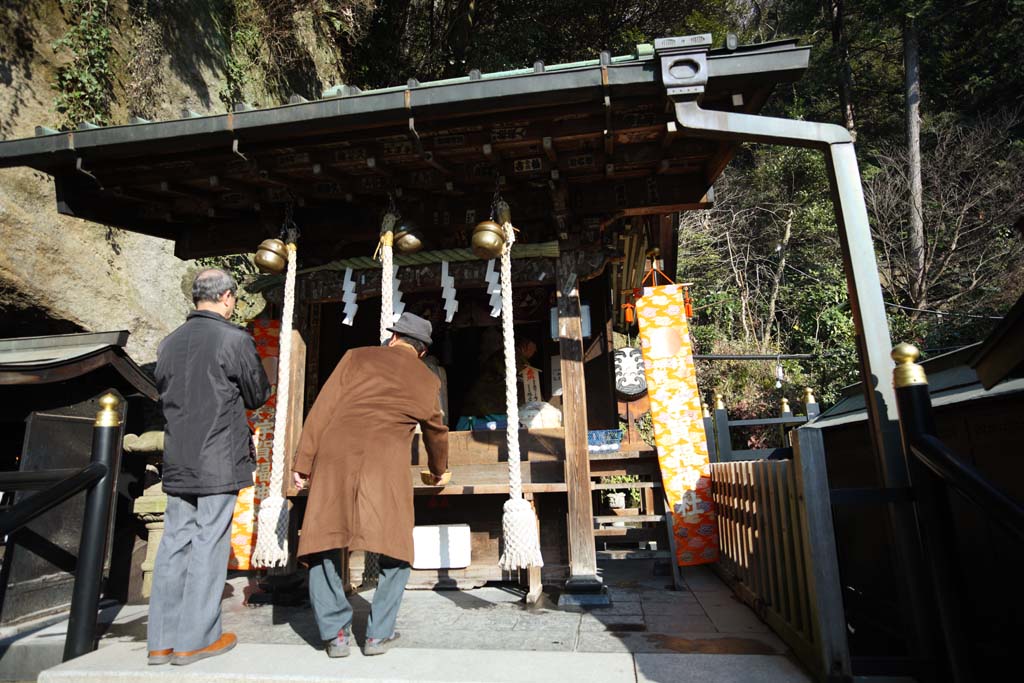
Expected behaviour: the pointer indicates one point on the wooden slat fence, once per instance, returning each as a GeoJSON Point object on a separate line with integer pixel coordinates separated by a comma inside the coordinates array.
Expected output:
{"type": "Point", "coordinates": [778, 550]}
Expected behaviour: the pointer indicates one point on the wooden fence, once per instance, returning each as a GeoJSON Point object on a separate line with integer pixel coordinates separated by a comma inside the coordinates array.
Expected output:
{"type": "Point", "coordinates": [778, 550]}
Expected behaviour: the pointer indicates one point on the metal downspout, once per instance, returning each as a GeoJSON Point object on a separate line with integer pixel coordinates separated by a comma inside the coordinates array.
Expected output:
{"type": "Point", "coordinates": [684, 74]}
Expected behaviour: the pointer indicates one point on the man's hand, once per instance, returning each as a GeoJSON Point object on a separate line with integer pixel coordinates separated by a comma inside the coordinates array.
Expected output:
{"type": "Point", "coordinates": [431, 479]}
{"type": "Point", "coordinates": [300, 480]}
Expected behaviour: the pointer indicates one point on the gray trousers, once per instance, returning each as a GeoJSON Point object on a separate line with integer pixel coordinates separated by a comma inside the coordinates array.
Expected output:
{"type": "Point", "coordinates": [191, 566]}
{"type": "Point", "coordinates": [332, 609]}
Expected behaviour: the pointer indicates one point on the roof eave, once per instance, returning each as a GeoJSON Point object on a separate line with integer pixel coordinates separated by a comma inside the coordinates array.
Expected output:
{"type": "Point", "coordinates": [784, 61]}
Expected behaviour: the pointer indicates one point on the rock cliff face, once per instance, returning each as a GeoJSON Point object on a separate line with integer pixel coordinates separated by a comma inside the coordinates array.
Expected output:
{"type": "Point", "coordinates": [60, 274]}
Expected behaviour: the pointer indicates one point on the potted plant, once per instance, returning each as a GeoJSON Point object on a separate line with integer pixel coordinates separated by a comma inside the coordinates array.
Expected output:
{"type": "Point", "coordinates": [616, 499]}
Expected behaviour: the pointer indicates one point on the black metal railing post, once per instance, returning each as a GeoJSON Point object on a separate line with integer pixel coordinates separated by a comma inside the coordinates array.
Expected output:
{"type": "Point", "coordinates": [106, 450]}
{"type": "Point", "coordinates": [935, 520]}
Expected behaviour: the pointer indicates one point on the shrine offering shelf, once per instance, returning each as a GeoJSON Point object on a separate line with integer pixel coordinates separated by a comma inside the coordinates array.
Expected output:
{"type": "Point", "coordinates": [488, 447]}
{"type": "Point", "coordinates": [492, 478]}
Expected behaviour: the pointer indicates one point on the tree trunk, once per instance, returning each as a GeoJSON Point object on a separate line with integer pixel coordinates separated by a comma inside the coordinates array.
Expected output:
{"type": "Point", "coordinates": [769, 320]}
{"type": "Point", "coordinates": [836, 14]}
{"type": "Point", "coordinates": [912, 87]}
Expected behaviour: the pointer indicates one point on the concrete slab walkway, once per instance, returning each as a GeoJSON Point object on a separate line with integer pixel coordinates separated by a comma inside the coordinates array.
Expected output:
{"type": "Point", "coordinates": [649, 633]}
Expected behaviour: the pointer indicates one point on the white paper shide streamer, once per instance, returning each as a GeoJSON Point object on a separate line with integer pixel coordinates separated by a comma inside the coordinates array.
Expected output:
{"type": "Point", "coordinates": [272, 520]}
{"type": "Point", "coordinates": [451, 304]}
{"type": "Point", "coordinates": [397, 305]}
{"type": "Point", "coordinates": [348, 297]}
{"type": "Point", "coordinates": [493, 279]}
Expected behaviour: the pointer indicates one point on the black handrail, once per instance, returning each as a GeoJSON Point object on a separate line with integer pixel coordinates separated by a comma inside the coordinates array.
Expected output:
{"type": "Point", "coordinates": [933, 470]}
{"type": "Point", "coordinates": [30, 481]}
{"type": "Point", "coordinates": [24, 511]}
{"type": "Point", "coordinates": [99, 480]}
{"type": "Point", "coordinates": [968, 481]}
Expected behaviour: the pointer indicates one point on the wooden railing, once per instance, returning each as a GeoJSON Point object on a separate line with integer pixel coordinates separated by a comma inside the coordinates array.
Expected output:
{"type": "Point", "coordinates": [778, 550]}
{"type": "Point", "coordinates": [717, 425]}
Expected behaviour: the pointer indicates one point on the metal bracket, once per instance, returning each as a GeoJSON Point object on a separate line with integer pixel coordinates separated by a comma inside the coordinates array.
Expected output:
{"type": "Point", "coordinates": [684, 64]}
{"type": "Point", "coordinates": [424, 155]}
{"type": "Point", "coordinates": [81, 169]}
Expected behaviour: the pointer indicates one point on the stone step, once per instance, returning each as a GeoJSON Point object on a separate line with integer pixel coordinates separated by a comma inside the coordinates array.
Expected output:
{"type": "Point", "coordinates": [29, 648]}
{"type": "Point", "coordinates": [251, 663]}
{"type": "Point", "coordinates": [263, 663]}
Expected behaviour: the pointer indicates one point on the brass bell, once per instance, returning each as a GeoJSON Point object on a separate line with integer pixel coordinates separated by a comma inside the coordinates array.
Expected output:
{"type": "Point", "coordinates": [408, 239]}
{"type": "Point", "coordinates": [488, 240]}
{"type": "Point", "coordinates": [271, 256]}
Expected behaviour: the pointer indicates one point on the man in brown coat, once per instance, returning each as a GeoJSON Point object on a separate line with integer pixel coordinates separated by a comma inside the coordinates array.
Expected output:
{"type": "Point", "coordinates": [355, 450]}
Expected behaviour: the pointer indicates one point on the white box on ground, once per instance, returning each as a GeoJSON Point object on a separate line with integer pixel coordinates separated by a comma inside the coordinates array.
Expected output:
{"type": "Point", "coordinates": [443, 546]}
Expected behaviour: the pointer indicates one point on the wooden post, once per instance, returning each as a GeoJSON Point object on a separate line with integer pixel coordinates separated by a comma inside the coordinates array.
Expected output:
{"type": "Point", "coordinates": [723, 442]}
{"type": "Point", "coordinates": [582, 552]}
{"type": "Point", "coordinates": [709, 431]}
{"type": "Point", "coordinates": [825, 598]}
{"type": "Point", "coordinates": [534, 582]}
{"type": "Point", "coordinates": [811, 404]}
{"type": "Point", "coordinates": [784, 411]}
{"type": "Point", "coordinates": [296, 401]}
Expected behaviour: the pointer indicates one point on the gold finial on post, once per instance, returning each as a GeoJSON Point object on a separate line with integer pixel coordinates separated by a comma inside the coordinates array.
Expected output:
{"type": "Point", "coordinates": [809, 396]}
{"type": "Point", "coordinates": [784, 407]}
{"type": "Point", "coordinates": [704, 411]}
{"type": "Point", "coordinates": [719, 401]}
{"type": "Point", "coordinates": [108, 415]}
{"type": "Point", "coordinates": [907, 372]}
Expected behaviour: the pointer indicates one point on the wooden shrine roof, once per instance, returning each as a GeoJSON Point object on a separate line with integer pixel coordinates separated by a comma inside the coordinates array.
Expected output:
{"type": "Point", "coordinates": [58, 359]}
{"type": "Point", "coordinates": [568, 144]}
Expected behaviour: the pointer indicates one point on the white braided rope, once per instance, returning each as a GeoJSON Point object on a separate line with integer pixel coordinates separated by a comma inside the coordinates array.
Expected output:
{"type": "Point", "coordinates": [515, 475]}
{"type": "Point", "coordinates": [519, 521]}
{"type": "Point", "coordinates": [387, 276]}
{"type": "Point", "coordinates": [272, 520]}
{"type": "Point", "coordinates": [371, 561]}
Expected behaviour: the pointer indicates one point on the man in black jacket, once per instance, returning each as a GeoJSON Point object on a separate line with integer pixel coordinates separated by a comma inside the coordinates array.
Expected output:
{"type": "Point", "coordinates": [208, 373]}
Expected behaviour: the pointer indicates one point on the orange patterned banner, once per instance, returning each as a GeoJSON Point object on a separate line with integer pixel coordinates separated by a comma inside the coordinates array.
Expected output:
{"type": "Point", "coordinates": [266, 334]}
{"type": "Point", "coordinates": [678, 422]}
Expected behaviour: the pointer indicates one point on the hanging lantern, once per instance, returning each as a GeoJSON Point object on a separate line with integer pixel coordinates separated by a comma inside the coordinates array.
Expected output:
{"type": "Point", "coordinates": [271, 256]}
{"type": "Point", "coordinates": [488, 240]}
{"type": "Point", "coordinates": [408, 239]}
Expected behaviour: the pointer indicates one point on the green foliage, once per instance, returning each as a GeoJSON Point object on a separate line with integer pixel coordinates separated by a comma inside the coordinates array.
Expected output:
{"type": "Point", "coordinates": [83, 85]}
{"type": "Point", "coordinates": [241, 29]}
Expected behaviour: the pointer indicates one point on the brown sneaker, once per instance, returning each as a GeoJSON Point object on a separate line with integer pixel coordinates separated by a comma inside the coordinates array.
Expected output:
{"type": "Point", "coordinates": [160, 656]}
{"type": "Point", "coordinates": [219, 647]}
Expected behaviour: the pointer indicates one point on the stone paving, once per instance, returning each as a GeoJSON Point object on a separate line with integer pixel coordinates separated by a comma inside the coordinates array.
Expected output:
{"type": "Point", "coordinates": [650, 633]}
{"type": "Point", "coordinates": [646, 616]}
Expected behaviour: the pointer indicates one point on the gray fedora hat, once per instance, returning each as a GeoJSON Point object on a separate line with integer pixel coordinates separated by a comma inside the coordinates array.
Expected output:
{"type": "Point", "coordinates": [412, 325]}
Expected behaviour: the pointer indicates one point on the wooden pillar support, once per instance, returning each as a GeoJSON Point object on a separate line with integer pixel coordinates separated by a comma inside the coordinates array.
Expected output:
{"type": "Point", "coordinates": [582, 552]}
